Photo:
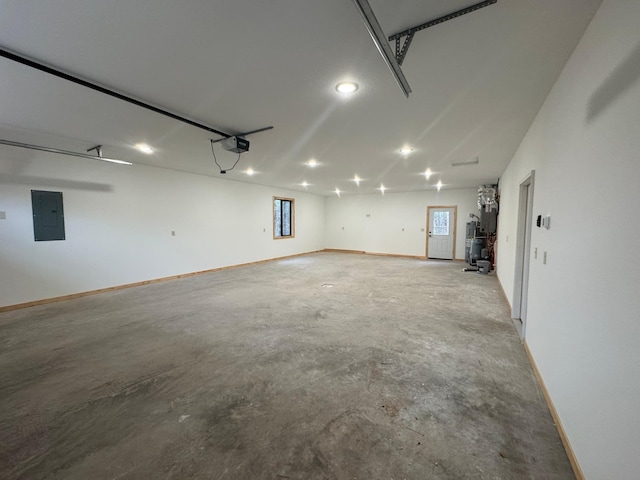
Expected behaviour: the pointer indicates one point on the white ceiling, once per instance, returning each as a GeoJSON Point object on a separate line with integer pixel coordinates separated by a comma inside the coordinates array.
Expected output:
{"type": "Point", "coordinates": [239, 65]}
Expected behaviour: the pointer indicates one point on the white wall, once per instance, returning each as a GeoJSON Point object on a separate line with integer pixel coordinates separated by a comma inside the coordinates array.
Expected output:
{"type": "Point", "coordinates": [583, 321]}
{"type": "Point", "coordinates": [349, 228]}
{"type": "Point", "coordinates": [119, 220]}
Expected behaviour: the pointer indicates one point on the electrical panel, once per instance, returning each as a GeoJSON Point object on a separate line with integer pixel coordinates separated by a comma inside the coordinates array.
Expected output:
{"type": "Point", "coordinates": [48, 215]}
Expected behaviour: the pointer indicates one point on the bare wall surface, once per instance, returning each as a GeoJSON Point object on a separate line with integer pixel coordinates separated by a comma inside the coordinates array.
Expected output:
{"type": "Point", "coordinates": [326, 366]}
{"type": "Point", "coordinates": [393, 223]}
{"type": "Point", "coordinates": [582, 321]}
{"type": "Point", "coordinates": [119, 222]}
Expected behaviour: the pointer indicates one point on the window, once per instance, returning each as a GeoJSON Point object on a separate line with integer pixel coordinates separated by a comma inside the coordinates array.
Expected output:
{"type": "Point", "coordinates": [283, 217]}
{"type": "Point", "coordinates": [440, 223]}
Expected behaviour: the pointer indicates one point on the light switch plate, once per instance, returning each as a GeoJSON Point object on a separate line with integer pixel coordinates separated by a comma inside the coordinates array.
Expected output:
{"type": "Point", "coordinates": [3, 215]}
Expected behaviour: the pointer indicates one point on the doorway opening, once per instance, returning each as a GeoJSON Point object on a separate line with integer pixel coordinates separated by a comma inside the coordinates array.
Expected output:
{"type": "Point", "coordinates": [441, 237]}
{"type": "Point", "coordinates": [523, 253]}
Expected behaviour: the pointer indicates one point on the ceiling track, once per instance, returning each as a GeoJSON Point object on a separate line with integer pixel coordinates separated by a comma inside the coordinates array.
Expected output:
{"type": "Point", "coordinates": [403, 47]}
{"type": "Point", "coordinates": [97, 148]}
{"type": "Point", "coordinates": [107, 91]}
{"type": "Point", "coordinates": [379, 38]}
{"type": "Point", "coordinates": [394, 60]}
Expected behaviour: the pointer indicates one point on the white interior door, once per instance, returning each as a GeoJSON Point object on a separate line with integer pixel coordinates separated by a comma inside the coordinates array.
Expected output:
{"type": "Point", "coordinates": [441, 236]}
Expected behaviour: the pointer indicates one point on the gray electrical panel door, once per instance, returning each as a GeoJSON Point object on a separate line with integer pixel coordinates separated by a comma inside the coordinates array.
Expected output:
{"type": "Point", "coordinates": [48, 215]}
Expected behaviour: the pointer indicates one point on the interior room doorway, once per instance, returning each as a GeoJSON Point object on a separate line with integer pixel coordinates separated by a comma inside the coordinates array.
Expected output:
{"type": "Point", "coordinates": [523, 251]}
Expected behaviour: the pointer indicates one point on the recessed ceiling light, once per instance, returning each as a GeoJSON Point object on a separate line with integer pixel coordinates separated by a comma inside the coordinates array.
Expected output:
{"type": "Point", "coordinates": [406, 150]}
{"type": "Point", "coordinates": [439, 185]}
{"type": "Point", "coordinates": [427, 173]}
{"type": "Point", "coordinates": [249, 171]}
{"type": "Point", "coordinates": [337, 191]}
{"type": "Point", "coordinates": [312, 163]}
{"type": "Point", "coordinates": [144, 148]}
{"type": "Point", "coordinates": [357, 180]}
{"type": "Point", "coordinates": [382, 188]}
{"type": "Point", "coordinates": [304, 184]}
{"type": "Point", "coordinates": [346, 87]}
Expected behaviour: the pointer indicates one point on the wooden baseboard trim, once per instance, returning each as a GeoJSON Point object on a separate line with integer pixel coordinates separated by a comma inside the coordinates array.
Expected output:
{"type": "Point", "coordinates": [362, 252]}
{"type": "Point", "coordinates": [62, 298]}
{"type": "Point", "coordinates": [554, 413]}
{"type": "Point", "coordinates": [340, 250]}
{"type": "Point", "coordinates": [504, 294]}
{"type": "Point", "coordinates": [396, 255]}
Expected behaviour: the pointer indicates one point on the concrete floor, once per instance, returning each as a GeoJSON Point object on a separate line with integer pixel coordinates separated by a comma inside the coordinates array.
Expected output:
{"type": "Point", "coordinates": [327, 366]}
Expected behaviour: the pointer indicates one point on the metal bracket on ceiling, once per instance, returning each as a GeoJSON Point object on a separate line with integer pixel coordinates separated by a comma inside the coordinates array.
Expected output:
{"type": "Point", "coordinates": [403, 47]}
{"type": "Point", "coordinates": [401, 50]}
{"type": "Point", "coordinates": [98, 149]}
{"type": "Point", "coordinates": [242, 135]}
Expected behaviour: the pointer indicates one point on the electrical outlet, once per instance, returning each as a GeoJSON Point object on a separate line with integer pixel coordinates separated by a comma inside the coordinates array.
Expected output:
{"type": "Point", "coordinates": [3, 215]}
{"type": "Point", "coordinates": [173, 233]}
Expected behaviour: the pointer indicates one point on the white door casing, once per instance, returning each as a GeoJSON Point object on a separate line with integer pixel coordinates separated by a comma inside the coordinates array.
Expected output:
{"type": "Point", "coordinates": [523, 250]}
{"type": "Point", "coordinates": [441, 223]}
